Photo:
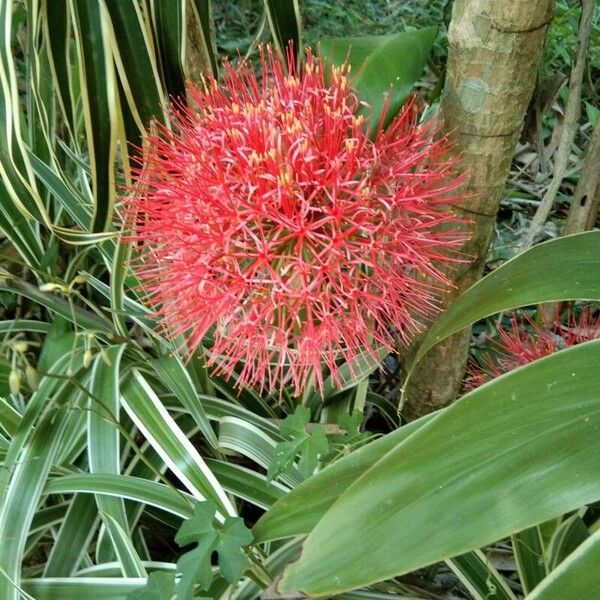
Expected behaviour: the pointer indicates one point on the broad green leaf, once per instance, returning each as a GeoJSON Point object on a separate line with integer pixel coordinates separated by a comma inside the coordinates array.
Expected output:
{"type": "Point", "coordinates": [577, 576]}
{"type": "Point", "coordinates": [517, 451]}
{"type": "Point", "coordinates": [303, 507]}
{"type": "Point", "coordinates": [562, 269]}
{"type": "Point", "coordinates": [384, 68]}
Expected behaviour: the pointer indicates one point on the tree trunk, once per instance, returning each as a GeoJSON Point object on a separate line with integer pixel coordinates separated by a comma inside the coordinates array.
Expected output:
{"type": "Point", "coordinates": [494, 51]}
{"type": "Point", "coordinates": [586, 199]}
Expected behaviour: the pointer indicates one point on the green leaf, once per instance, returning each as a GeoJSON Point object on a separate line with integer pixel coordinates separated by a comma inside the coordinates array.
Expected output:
{"type": "Point", "coordinates": [311, 447]}
{"type": "Point", "coordinates": [284, 456]}
{"type": "Point", "coordinates": [76, 588]}
{"type": "Point", "coordinates": [312, 452]}
{"type": "Point", "coordinates": [303, 507]}
{"type": "Point", "coordinates": [385, 65]}
{"type": "Point", "coordinates": [98, 91]}
{"type": "Point", "coordinates": [246, 484]}
{"type": "Point", "coordinates": [195, 567]}
{"type": "Point", "coordinates": [125, 487]}
{"type": "Point", "coordinates": [285, 24]}
{"type": "Point", "coordinates": [233, 536]}
{"type": "Point", "coordinates": [570, 534]}
{"type": "Point", "coordinates": [169, 27]}
{"type": "Point", "coordinates": [59, 342]}
{"type": "Point", "coordinates": [160, 429]}
{"type": "Point", "coordinates": [562, 269]}
{"type": "Point", "coordinates": [200, 524]}
{"type": "Point", "coordinates": [56, 19]}
{"type": "Point", "coordinates": [528, 548]}
{"type": "Point", "coordinates": [479, 576]}
{"type": "Point", "coordinates": [227, 540]}
{"type": "Point", "coordinates": [160, 586]}
{"type": "Point", "coordinates": [518, 451]}
{"type": "Point", "coordinates": [172, 372]}
{"type": "Point", "coordinates": [135, 61]}
{"type": "Point", "coordinates": [294, 425]}
{"type": "Point", "coordinates": [577, 576]}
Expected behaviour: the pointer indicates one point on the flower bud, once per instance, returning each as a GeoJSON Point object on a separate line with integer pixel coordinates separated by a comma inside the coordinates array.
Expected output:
{"type": "Point", "coordinates": [14, 383]}
{"type": "Point", "coordinates": [32, 377]}
{"type": "Point", "coordinates": [87, 358]}
{"type": "Point", "coordinates": [52, 287]}
{"type": "Point", "coordinates": [20, 346]}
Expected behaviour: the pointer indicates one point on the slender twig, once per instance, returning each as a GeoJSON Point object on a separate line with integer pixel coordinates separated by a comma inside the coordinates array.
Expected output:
{"type": "Point", "coordinates": [572, 114]}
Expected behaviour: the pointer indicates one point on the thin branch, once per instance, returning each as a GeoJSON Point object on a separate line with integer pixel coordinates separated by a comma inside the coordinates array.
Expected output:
{"type": "Point", "coordinates": [572, 114]}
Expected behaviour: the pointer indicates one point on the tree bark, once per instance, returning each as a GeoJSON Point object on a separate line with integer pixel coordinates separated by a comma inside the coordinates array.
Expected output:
{"type": "Point", "coordinates": [494, 51]}
{"type": "Point", "coordinates": [586, 199]}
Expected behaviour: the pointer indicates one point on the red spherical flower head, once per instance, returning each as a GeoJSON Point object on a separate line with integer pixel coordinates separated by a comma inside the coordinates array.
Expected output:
{"type": "Point", "coordinates": [527, 340]}
{"type": "Point", "coordinates": [271, 224]}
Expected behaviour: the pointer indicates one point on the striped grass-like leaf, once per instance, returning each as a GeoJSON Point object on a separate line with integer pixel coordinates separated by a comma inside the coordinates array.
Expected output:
{"type": "Point", "coordinates": [480, 577]}
{"type": "Point", "coordinates": [239, 436]}
{"type": "Point", "coordinates": [530, 556]}
{"type": "Point", "coordinates": [21, 497]}
{"type": "Point", "coordinates": [100, 102]}
{"type": "Point", "coordinates": [104, 452]}
{"type": "Point", "coordinates": [127, 487]}
{"type": "Point", "coordinates": [151, 417]}
{"type": "Point", "coordinates": [133, 50]}
{"type": "Point", "coordinates": [76, 588]}
{"type": "Point", "coordinates": [577, 576]}
{"type": "Point", "coordinates": [285, 24]}
{"type": "Point", "coordinates": [169, 28]}
{"type": "Point", "coordinates": [172, 372]}
{"type": "Point", "coordinates": [74, 536]}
